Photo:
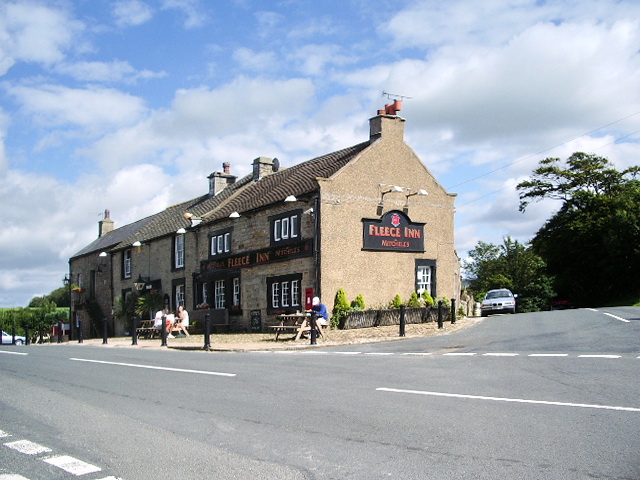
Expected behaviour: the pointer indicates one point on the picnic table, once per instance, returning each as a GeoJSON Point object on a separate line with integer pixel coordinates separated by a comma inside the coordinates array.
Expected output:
{"type": "Point", "coordinates": [294, 322]}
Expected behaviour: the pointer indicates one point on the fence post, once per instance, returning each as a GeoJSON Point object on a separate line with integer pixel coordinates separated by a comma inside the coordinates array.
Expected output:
{"type": "Point", "coordinates": [134, 332]}
{"type": "Point", "coordinates": [453, 311]}
{"type": "Point", "coordinates": [105, 331]}
{"type": "Point", "coordinates": [402, 320]}
{"type": "Point", "coordinates": [314, 325]}
{"type": "Point", "coordinates": [80, 335]}
{"type": "Point", "coordinates": [440, 325]}
{"type": "Point", "coordinates": [207, 332]}
{"type": "Point", "coordinates": [163, 331]}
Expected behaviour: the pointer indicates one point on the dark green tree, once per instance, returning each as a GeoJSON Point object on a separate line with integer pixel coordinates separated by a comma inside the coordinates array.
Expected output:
{"type": "Point", "coordinates": [591, 245]}
{"type": "Point", "coordinates": [514, 266]}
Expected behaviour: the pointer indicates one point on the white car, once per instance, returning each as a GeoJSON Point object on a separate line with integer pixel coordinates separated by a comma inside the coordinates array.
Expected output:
{"type": "Point", "coordinates": [6, 339]}
{"type": "Point", "coordinates": [498, 301]}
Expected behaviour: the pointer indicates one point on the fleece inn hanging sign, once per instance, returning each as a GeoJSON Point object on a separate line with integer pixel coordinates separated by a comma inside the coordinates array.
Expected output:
{"type": "Point", "coordinates": [393, 232]}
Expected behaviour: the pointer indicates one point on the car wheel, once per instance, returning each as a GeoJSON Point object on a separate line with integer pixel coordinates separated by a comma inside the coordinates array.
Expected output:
{"type": "Point", "coordinates": [484, 314]}
{"type": "Point", "coordinates": [19, 342]}
{"type": "Point", "coordinates": [513, 311]}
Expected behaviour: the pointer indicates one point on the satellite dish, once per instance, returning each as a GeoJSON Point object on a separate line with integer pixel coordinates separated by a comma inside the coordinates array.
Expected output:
{"type": "Point", "coordinates": [276, 165]}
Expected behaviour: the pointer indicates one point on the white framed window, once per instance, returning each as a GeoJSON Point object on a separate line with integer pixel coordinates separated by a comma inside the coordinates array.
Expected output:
{"type": "Point", "coordinates": [126, 264]}
{"type": "Point", "coordinates": [285, 227]}
{"type": "Point", "coordinates": [179, 295]}
{"type": "Point", "coordinates": [79, 282]}
{"type": "Point", "coordinates": [179, 251]}
{"type": "Point", "coordinates": [236, 292]}
{"type": "Point", "coordinates": [285, 288]}
{"type": "Point", "coordinates": [284, 291]}
{"type": "Point", "coordinates": [220, 243]}
{"type": "Point", "coordinates": [295, 293]}
{"type": "Point", "coordinates": [205, 294]}
{"type": "Point", "coordinates": [425, 280]}
{"type": "Point", "coordinates": [220, 301]}
{"type": "Point", "coordinates": [275, 295]}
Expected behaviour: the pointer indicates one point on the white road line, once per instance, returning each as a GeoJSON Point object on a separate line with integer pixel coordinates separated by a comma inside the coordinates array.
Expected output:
{"type": "Point", "coordinates": [72, 465]}
{"type": "Point", "coordinates": [10, 476]}
{"type": "Point", "coordinates": [500, 354]}
{"type": "Point", "coordinates": [599, 356]}
{"type": "Point", "coordinates": [152, 367]}
{"type": "Point", "coordinates": [4, 434]}
{"type": "Point", "coordinates": [513, 400]}
{"type": "Point", "coordinates": [459, 354]}
{"type": "Point", "coordinates": [13, 353]}
{"type": "Point", "coordinates": [27, 447]}
{"type": "Point", "coordinates": [549, 355]}
{"type": "Point", "coordinates": [379, 353]}
{"type": "Point", "coordinates": [419, 353]}
{"type": "Point", "coordinates": [348, 353]}
{"type": "Point", "coordinates": [592, 309]}
{"type": "Point", "coordinates": [617, 317]}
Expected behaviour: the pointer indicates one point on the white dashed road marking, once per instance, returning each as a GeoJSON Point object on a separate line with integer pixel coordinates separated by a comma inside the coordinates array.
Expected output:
{"type": "Point", "coordinates": [72, 465]}
{"type": "Point", "coordinates": [459, 354]}
{"type": "Point", "coordinates": [599, 356]}
{"type": "Point", "coordinates": [513, 400]}
{"type": "Point", "coordinates": [549, 355]}
{"type": "Point", "coordinates": [12, 477]}
{"type": "Point", "coordinates": [500, 354]}
{"type": "Point", "coordinates": [617, 317]}
{"type": "Point", "coordinates": [13, 353]}
{"type": "Point", "coordinates": [27, 447]}
{"type": "Point", "coordinates": [152, 367]}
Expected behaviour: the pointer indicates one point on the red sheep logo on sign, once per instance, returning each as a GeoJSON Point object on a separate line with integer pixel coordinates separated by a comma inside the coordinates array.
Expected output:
{"type": "Point", "coordinates": [395, 220]}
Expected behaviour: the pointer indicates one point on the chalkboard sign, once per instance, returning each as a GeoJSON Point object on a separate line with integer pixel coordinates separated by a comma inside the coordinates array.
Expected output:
{"type": "Point", "coordinates": [256, 321]}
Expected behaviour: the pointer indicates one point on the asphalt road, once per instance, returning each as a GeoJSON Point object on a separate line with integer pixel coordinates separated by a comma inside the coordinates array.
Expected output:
{"type": "Point", "coordinates": [550, 395]}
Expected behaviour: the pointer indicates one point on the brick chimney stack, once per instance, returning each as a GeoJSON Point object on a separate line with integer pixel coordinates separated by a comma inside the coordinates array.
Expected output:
{"type": "Point", "coordinates": [218, 181]}
{"type": "Point", "coordinates": [105, 225]}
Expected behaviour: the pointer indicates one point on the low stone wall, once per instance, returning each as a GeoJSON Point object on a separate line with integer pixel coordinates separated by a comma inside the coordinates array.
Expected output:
{"type": "Point", "coordinates": [379, 318]}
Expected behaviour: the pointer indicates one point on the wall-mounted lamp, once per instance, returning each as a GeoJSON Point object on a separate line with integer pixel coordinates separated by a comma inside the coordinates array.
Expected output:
{"type": "Point", "coordinates": [195, 221]}
{"type": "Point", "coordinates": [420, 192]}
{"type": "Point", "coordinates": [181, 231]}
{"type": "Point", "coordinates": [234, 215]}
{"type": "Point", "coordinates": [393, 189]}
{"type": "Point", "coordinates": [139, 283]}
{"type": "Point", "coordinates": [291, 198]}
{"type": "Point", "coordinates": [308, 211]}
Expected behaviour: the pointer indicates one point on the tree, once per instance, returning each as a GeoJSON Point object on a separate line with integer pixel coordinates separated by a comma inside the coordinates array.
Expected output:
{"type": "Point", "coordinates": [514, 266]}
{"type": "Point", "coordinates": [592, 244]}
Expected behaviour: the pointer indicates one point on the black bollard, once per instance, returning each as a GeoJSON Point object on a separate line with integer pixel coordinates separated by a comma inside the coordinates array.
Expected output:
{"type": "Point", "coordinates": [163, 331]}
{"type": "Point", "coordinates": [26, 334]}
{"type": "Point", "coordinates": [207, 332]}
{"type": "Point", "coordinates": [314, 333]}
{"type": "Point", "coordinates": [453, 311]}
{"type": "Point", "coordinates": [41, 331]}
{"type": "Point", "coordinates": [80, 334]}
{"type": "Point", "coordinates": [13, 334]}
{"type": "Point", "coordinates": [105, 331]}
{"type": "Point", "coordinates": [134, 330]}
{"type": "Point", "coordinates": [402, 321]}
{"type": "Point", "coordinates": [440, 325]}
{"type": "Point", "coordinates": [59, 332]}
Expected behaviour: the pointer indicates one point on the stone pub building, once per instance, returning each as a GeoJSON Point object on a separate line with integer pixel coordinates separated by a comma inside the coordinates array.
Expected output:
{"type": "Point", "coordinates": [370, 219]}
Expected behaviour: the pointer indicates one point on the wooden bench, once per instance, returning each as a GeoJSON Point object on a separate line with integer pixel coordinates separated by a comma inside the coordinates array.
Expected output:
{"type": "Point", "coordinates": [146, 329]}
{"type": "Point", "coordinates": [278, 329]}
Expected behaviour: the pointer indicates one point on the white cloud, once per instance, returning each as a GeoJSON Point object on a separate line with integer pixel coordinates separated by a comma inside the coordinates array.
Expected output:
{"type": "Point", "coordinates": [131, 13]}
{"type": "Point", "coordinates": [92, 108]}
{"type": "Point", "coordinates": [115, 71]}
{"type": "Point", "coordinates": [255, 61]}
{"type": "Point", "coordinates": [33, 32]}
{"type": "Point", "coordinates": [193, 11]}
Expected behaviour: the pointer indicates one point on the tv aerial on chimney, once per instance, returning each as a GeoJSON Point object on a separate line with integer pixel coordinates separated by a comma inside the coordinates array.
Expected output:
{"type": "Point", "coordinates": [394, 96]}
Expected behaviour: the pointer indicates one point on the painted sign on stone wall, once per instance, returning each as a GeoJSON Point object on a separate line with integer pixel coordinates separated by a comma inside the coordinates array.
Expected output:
{"type": "Point", "coordinates": [393, 232]}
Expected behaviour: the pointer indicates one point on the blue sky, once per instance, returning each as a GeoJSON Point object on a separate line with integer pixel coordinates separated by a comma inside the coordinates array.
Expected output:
{"type": "Point", "coordinates": [128, 105]}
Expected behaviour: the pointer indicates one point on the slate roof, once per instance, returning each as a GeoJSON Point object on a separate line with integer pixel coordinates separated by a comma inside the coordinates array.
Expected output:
{"type": "Point", "coordinates": [242, 196]}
